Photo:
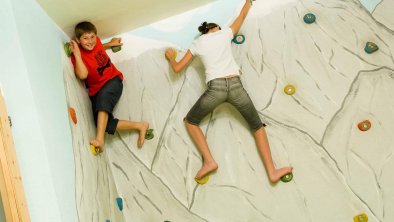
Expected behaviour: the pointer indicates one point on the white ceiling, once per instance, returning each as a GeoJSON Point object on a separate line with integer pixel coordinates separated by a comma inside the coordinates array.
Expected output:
{"type": "Point", "coordinates": [115, 16]}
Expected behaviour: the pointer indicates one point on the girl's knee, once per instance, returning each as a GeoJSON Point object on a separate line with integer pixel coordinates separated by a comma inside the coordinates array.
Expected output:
{"type": "Point", "coordinates": [189, 123]}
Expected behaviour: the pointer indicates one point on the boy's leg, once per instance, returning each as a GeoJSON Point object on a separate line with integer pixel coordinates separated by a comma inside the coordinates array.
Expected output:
{"type": "Point", "coordinates": [209, 164]}
{"type": "Point", "coordinates": [142, 127]}
{"type": "Point", "coordinates": [102, 119]}
{"type": "Point", "coordinates": [103, 104]}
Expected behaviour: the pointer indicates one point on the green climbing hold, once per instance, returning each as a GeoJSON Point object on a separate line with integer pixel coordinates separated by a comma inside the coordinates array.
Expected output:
{"type": "Point", "coordinates": [67, 49]}
{"type": "Point", "coordinates": [370, 47]}
{"type": "Point", "coordinates": [309, 18]}
{"type": "Point", "coordinates": [149, 134]}
{"type": "Point", "coordinates": [239, 39]}
{"type": "Point", "coordinates": [116, 48]}
{"type": "Point", "coordinates": [287, 178]}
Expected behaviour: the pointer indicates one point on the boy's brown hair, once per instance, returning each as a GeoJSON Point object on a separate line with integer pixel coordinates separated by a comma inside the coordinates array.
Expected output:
{"type": "Point", "coordinates": [84, 27]}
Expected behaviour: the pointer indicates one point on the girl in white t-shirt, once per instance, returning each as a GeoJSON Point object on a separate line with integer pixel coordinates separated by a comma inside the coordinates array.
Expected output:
{"type": "Point", "coordinates": [224, 85]}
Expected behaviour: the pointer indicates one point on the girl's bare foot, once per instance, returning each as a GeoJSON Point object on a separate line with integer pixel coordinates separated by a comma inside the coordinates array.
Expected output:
{"type": "Point", "coordinates": [206, 168]}
{"type": "Point", "coordinates": [141, 138]}
{"type": "Point", "coordinates": [98, 144]}
{"type": "Point", "coordinates": [276, 174]}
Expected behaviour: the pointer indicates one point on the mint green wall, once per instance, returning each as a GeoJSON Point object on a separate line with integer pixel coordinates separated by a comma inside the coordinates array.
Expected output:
{"type": "Point", "coordinates": [32, 80]}
{"type": "Point", "coordinates": [370, 5]}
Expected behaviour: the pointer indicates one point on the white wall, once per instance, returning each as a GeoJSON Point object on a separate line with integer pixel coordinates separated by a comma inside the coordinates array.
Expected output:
{"type": "Point", "coordinates": [32, 80]}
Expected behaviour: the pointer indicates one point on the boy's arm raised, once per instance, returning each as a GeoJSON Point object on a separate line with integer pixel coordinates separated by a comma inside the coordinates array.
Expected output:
{"type": "Point", "coordinates": [241, 17]}
{"type": "Point", "coordinates": [79, 67]}
{"type": "Point", "coordinates": [113, 42]}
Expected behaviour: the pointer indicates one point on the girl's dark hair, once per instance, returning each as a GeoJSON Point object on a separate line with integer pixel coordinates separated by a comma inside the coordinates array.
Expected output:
{"type": "Point", "coordinates": [205, 27]}
{"type": "Point", "coordinates": [84, 27]}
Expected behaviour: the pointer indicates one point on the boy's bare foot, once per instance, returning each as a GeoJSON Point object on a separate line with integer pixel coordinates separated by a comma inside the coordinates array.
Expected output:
{"type": "Point", "coordinates": [206, 169]}
{"type": "Point", "coordinates": [98, 144]}
{"type": "Point", "coordinates": [275, 175]}
{"type": "Point", "coordinates": [141, 138]}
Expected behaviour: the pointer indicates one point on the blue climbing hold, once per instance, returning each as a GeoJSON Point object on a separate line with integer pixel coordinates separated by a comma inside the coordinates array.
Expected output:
{"type": "Point", "coordinates": [309, 18]}
{"type": "Point", "coordinates": [370, 47]}
{"type": "Point", "coordinates": [119, 201]}
{"type": "Point", "coordinates": [239, 39]}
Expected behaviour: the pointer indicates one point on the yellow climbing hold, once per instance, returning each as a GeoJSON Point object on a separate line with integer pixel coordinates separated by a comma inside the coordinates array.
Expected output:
{"type": "Point", "coordinates": [95, 150]}
{"type": "Point", "coordinates": [289, 89]}
{"type": "Point", "coordinates": [360, 218]}
{"type": "Point", "coordinates": [175, 54]}
{"type": "Point", "coordinates": [203, 180]}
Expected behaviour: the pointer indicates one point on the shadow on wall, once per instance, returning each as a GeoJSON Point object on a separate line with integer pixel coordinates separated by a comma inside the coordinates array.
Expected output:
{"type": "Point", "coordinates": [339, 171]}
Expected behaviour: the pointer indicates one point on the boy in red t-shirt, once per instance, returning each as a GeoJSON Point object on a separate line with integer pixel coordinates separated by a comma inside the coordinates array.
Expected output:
{"type": "Point", "coordinates": [103, 80]}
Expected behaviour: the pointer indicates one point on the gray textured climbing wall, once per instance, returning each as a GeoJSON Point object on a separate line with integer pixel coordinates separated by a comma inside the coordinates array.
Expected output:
{"type": "Point", "coordinates": [339, 171]}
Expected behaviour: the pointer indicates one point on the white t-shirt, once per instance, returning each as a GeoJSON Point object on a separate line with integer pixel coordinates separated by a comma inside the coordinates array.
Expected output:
{"type": "Point", "coordinates": [216, 55]}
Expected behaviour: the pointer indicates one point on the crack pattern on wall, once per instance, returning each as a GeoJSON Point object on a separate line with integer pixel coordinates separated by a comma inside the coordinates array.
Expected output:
{"type": "Point", "coordinates": [339, 171]}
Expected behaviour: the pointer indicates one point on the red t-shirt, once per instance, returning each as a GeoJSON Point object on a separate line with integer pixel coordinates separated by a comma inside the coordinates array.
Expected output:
{"type": "Point", "coordinates": [100, 67]}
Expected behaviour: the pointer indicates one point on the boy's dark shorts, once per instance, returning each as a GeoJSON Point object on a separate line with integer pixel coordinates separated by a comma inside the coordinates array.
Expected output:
{"type": "Point", "coordinates": [105, 100]}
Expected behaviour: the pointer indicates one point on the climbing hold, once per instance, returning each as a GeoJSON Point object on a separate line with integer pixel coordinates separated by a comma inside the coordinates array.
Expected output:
{"type": "Point", "coordinates": [107, 220]}
{"type": "Point", "coordinates": [287, 178]}
{"type": "Point", "coordinates": [67, 49]}
{"type": "Point", "coordinates": [289, 89]}
{"type": "Point", "coordinates": [239, 39]}
{"type": "Point", "coordinates": [360, 218]}
{"type": "Point", "coordinates": [95, 150]}
{"type": "Point", "coordinates": [309, 18]}
{"type": "Point", "coordinates": [203, 180]}
{"type": "Point", "coordinates": [364, 125]}
{"type": "Point", "coordinates": [116, 48]}
{"type": "Point", "coordinates": [149, 134]}
{"type": "Point", "coordinates": [370, 47]}
{"type": "Point", "coordinates": [119, 201]}
{"type": "Point", "coordinates": [175, 54]}
{"type": "Point", "coordinates": [73, 116]}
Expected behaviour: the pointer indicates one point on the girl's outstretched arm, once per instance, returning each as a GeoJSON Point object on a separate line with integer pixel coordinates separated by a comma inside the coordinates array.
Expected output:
{"type": "Point", "coordinates": [183, 63]}
{"type": "Point", "coordinates": [241, 17]}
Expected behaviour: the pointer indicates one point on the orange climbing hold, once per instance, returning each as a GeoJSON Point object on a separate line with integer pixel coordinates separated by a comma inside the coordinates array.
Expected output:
{"type": "Point", "coordinates": [73, 116]}
{"type": "Point", "coordinates": [364, 125]}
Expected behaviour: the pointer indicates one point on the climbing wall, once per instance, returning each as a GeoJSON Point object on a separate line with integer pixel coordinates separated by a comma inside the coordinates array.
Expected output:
{"type": "Point", "coordinates": [333, 127]}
